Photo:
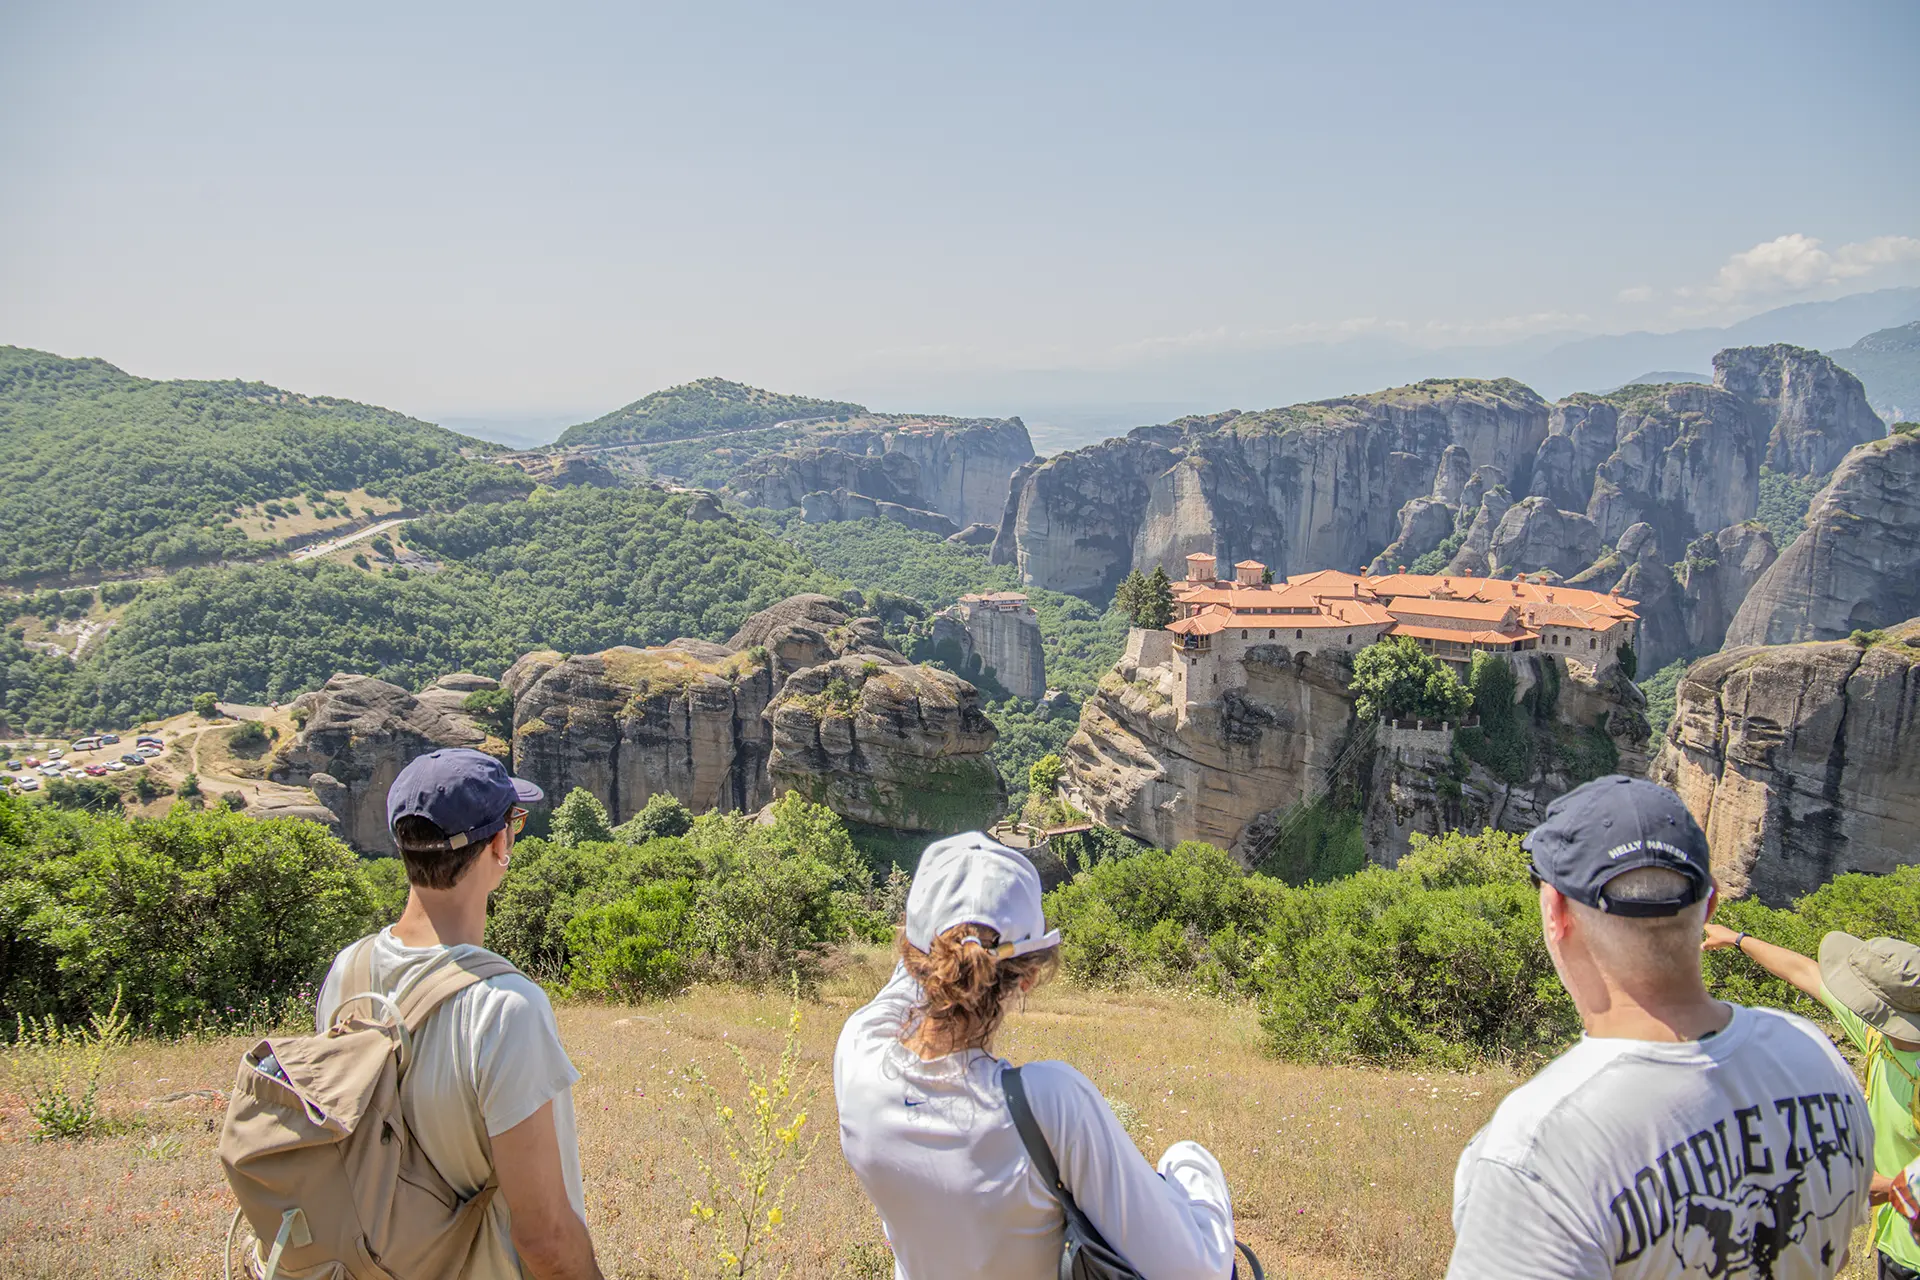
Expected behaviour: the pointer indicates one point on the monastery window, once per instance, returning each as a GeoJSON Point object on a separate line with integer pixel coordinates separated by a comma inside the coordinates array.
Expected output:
{"type": "Point", "coordinates": [1269, 633]}
{"type": "Point", "coordinates": [1349, 637]}
{"type": "Point", "coordinates": [1299, 635]}
{"type": "Point", "coordinates": [1243, 635]}
{"type": "Point", "coordinates": [1593, 644]}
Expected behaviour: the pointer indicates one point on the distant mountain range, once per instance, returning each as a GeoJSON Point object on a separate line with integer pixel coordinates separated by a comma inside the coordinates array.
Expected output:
{"type": "Point", "coordinates": [1888, 363]}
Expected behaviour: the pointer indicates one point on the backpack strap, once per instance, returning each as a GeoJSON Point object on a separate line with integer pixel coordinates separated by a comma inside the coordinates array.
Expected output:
{"type": "Point", "coordinates": [445, 979]}
{"type": "Point", "coordinates": [1029, 1129]}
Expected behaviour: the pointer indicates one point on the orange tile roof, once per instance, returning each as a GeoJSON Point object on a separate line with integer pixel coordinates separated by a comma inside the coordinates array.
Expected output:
{"type": "Point", "coordinates": [1466, 610]}
{"type": "Point", "coordinates": [1462, 637]}
{"type": "Point", "coordinates": [1418, 584]}
{"type": "Point", "coordinates": [1201, 624]}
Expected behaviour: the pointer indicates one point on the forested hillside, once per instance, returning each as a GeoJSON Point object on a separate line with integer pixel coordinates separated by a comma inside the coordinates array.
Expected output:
{"type": "Point", "coordinates": [100, 470]}
{"type": "Point", "coordinates": [576, 569]}
{"type": "Point", "coordinates": [699, 408]}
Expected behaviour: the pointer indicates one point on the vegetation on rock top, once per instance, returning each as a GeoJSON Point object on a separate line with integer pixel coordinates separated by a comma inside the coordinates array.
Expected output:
{"type": "Point", "coordinates": [699, 408]}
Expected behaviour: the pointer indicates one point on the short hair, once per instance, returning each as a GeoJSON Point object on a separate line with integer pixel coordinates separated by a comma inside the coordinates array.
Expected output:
{"type": "Point", "coordinates": [1645, 947]}
{"type": "Point", "coordinates": [430, 864]}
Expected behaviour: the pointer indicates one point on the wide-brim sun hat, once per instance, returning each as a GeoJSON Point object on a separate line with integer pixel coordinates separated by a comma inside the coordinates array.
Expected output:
{"type": "Point", "coordinates": [1879, 979]}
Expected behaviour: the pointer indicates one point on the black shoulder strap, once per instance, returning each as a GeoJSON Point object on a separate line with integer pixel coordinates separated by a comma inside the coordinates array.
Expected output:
{"type": "Point", "coordinates": [1035, 1141]}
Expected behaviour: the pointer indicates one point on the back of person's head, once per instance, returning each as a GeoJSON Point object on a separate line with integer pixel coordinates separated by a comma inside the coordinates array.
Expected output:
{"type": "Point", "coordinates": [1636, 872]}
{"type": "Point", "coordinates": [975, 936]}
{"type": "Point", "coordinates": [445, 807]}
{"type": "Point", "coordinates": [1645, 949]}
{"type": "Point", "coordinates": [966, 988]}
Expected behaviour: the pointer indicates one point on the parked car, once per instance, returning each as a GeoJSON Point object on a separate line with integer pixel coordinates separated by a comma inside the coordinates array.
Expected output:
{"type": "Point", "coordinates": [148, 752]}
{"type": "Point", "coordinates": [15, 765]}
{"type": "Point", "coordinates": [29, 784]}
{"type": "Point", "coordinates": [132, 758]}
{"type": "Point", "coordinates": [116, 766]}
{"type": "Point", "coordinates": [109, 739]}
{"type": "Point", "coordinates": [33, 762]}
{"type": "Point", "coordinates": [85, 744]}
{"type": "Point", "coordinates": [148, 740]}
{"type": "Point", "coordinates": [96, 771]}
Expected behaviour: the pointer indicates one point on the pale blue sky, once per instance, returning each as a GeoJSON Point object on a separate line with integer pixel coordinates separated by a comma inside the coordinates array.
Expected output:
{"type": "Point", "coordinates": [474, 208]}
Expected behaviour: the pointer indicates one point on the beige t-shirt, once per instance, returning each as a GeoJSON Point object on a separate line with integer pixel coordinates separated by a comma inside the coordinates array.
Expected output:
{"type": "Point", "coordinates": [484, 1061]}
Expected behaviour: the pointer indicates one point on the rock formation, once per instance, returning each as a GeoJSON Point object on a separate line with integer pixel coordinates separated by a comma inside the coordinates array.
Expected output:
{"type": "Point", "coordinates": [1004, 632]}
{"type": "Point", "coordinates": [1856, 566]}
{"type": "Point", "coordinates": [1686, 461]}
{"type": "Point", "coordinates": [1301, 488]}
{"type": "Point", "coordinates": [976, 535]}
{"type": "Point", "coordinates": [628, 724]}
{"type": "Point", "coordinates": [1810, 410]}
{"type": "Point", "coordinates": [959, 468]}
{"type": "Point", "coordinates": [1801, 761]}
{"type": "Point", "coordinates": [691, 719]}
{"type": "Point", "coordinates": [1534, 535]}
{"type": "Point", "coordinates": [357, 733]}
{"type": "Point", "coordinates": [1425, 523]}
{"type": "Point", "coordinates": [823, 508]}
{"type": "Point", "coordinates": [887, 744]}
{"type": "Point", "coordinates": [1716, 578]}
{"type": "Point", "coordinates": [1474, 559]}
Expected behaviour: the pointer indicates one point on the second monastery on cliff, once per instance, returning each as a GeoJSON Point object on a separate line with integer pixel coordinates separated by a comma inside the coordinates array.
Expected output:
{"type": "Point", "coordinates": [1217, 622]}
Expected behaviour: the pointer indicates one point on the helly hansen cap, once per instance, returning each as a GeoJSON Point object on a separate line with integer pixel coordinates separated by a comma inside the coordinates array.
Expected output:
{"type": "Point", "coordinates": [972, 879]}
{"type": "Point", "coordinates": [1613, 825]}
{"type": "Point", "coordinates": [466, 793]}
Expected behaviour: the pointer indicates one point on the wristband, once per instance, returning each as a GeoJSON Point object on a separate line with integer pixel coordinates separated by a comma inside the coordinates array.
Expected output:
{"type": "Point", "coordinates": [1738, 939]}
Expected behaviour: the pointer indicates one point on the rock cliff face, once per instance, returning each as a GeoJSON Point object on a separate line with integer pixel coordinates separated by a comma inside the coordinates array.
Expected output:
{"type": "Point", "coordinates": [822, 508]}
{"type": "Point", "coordinates": [1425, 523]}
{"type": "Point", "coordinates": [1008, 643]}
{"type": "Point", "coordinates": [629, 724]}
{"type": "Point", "coordinates": [358, 733]}
{"type": "Point", "coordinates": [1145, 763]}
{"type": "Point", "coordinates": [1716, 578]}
{"type": "Point", "coordinates": [1224, 767]}
{"type": "Point", "coordinates": [1856, 566]}
{"type": "Point", "coordinates": [886, 744]}
{"type": "Point", "coordinates": [1811, 411]}
{"type": "Point", "coordinates": [1474, 559]}
{"type": "Point", "coordinates": [1801, 761]}
{"type": "Point", "coordinates": [690, 719]}
{"type": "Point", "coordinates": [1301, 488]}
{"type": "Point", "coordinates": [959, 468]}
{"type": "Point", "coordinates": [1686, 461]}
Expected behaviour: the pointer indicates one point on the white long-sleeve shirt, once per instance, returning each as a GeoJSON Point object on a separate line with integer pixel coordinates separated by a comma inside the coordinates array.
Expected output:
{"type": "Point", "coordinates": [934, 1146]}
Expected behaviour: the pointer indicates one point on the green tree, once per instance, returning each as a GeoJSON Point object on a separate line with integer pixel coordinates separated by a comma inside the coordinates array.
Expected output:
{"type": "Point", "coordinates": [493, 708]}
{"type": "Point", "coordinates": [1629, 661]}
{"type": "Point", "coordinates": [189, 787]}
{"type": "Point", "coordinates": [662, 815]}
{"type": "Point", "coordinates": [1131, 596]}
{"type": "Point", "coordinates": [206, 705]}
{"type": "Point", "coordinates": [1394, 679]}
{"type": "Point", "coordinates": [1044, 774]}
{"type": "Point", "coordinates": [1156, 608]}
{"type": "Point", "coordinates": [580, 819]}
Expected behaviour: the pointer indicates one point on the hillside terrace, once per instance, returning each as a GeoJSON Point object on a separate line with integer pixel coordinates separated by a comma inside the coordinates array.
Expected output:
{"type": "Point", "coordinates": [1450, 617]}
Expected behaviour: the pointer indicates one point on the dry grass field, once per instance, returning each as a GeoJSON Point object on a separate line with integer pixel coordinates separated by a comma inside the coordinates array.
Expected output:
{"type": "Point", "coordinates": [1337, 1174]}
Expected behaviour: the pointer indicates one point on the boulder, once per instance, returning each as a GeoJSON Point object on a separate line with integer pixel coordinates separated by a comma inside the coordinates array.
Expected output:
{"type": "Point", "coordinates": [886, 744]}
{"type": "Point", "coordinates": [1811, 411]}
{"type": "Point", "coordinates": [1534, 535]}
{"type": "Point", "coordinates": [1856, 566]}
{"type": "Point", "coordinates": [356, 734]}
{"type": "Point", "coordinates": [976, 535]}
{"type": "Point", "coordinates": [1800, 760]}
{"type": "Point", "coordinates": [806, 630]}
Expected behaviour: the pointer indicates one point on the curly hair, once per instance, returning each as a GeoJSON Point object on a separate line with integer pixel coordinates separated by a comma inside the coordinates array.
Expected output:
{"type": "Point", "coordinates": [966, 988]}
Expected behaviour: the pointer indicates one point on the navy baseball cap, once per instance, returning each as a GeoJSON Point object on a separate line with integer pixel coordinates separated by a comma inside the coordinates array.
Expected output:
{"type": "Point", "coordinates": [466, 793]}
{"type": "Point", "coordinates": [1615, 824]}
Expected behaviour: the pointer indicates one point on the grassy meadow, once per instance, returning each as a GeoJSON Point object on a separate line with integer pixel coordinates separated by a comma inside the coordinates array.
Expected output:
{"type": "Point", "coordinates": [1338, 1173]}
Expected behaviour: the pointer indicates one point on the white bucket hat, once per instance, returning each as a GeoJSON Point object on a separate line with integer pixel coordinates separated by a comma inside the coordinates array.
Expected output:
{"type": "Point", "coordinates": [970, 879]}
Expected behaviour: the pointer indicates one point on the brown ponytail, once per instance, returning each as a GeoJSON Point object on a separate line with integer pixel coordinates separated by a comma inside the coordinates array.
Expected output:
{"type": "Point", "coordinates": [966, 987]}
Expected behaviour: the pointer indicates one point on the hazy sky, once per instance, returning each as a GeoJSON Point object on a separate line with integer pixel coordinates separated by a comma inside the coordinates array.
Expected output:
{"type": "Point", "coordinates": [468, 208]}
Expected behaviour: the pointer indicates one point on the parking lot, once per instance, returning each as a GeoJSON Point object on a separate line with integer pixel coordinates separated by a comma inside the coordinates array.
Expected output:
{"type": "Point", "coordinates": [29, 766]}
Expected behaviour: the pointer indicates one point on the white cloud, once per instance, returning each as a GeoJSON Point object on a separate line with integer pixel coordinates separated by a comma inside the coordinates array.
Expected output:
{"type": "Point", "coordinates": [1638, 293]}
{"type": "Point", "coordinates": [1797, 263]}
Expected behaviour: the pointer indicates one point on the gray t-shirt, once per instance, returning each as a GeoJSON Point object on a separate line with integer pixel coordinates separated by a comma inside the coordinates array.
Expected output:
{"type": "Point", "coordinates": [484, 1061]}
{"type": "Point", "coordinates": [1744, 1156]}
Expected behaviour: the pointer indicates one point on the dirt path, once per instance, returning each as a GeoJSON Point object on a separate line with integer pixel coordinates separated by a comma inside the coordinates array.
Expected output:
{"type": "Point", "coordinates": [327, 548]}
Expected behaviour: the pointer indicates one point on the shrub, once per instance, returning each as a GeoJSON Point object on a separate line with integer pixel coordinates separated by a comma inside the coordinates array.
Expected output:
{"type": "Point", "coordinates": [492, 708]}
{"type": "Point", "coordinates": [631, 949]}
{"type": "Point", "coordinates": [62, 1066]}
{"type": "Point", "coordinates": [662, 815]}
{"type": "Point", "coordinates": [250, 737]}
{"type": "Point", "coordinates": [580, 819]}
{"type": "Point", "coordinates": [1188, 914]}
{"type": "Point", "coordinates": [88, 794]}
{"type": "Point", "coordinates": [233, 801]}
{"type": "Point", "coordinates": [1381, 969]}
{"type": "Point", "coordinates": [1044, 774]}
{"type": "Point", "coordinates": [189, 787]}
{"type": "Point", "coordinates": [1456, 858]}
{"type": "Point", "coordinates": [206, 705]}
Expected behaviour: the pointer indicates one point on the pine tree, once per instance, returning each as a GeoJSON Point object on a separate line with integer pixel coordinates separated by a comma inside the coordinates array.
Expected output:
{"type": "Point", "coordinates": [1156, 608]}
{"type": "Point", "coordinates": [1131, 596]}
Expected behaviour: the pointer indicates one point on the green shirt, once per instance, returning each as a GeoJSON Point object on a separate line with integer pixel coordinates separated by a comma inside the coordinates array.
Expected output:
{"type": "Point", "coordinates": [1890, 1106]}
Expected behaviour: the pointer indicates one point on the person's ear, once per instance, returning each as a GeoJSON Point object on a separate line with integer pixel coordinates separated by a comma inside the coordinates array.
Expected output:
{"type": "Point", "coordinates": [501, 846]}
{"type": "Point", "coordinates": [1555, 915]}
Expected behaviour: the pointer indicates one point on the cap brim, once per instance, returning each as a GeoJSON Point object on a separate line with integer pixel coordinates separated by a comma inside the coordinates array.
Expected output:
{"type": "Point", "coordinates": [1846, 986]}
{"type": "Point", "coordinates": [526, 792]}
{"type": "Point", "coordinates": [1051, 938]}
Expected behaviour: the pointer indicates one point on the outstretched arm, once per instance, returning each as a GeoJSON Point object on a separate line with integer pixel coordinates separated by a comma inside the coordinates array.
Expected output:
{"type": "Point", "coordinates": [1788, 966]}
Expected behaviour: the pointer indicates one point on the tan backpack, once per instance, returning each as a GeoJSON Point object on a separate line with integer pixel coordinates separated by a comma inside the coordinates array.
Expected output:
{"type": "Point", "coordinates": [320, 1157]}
